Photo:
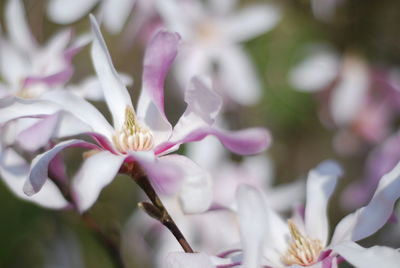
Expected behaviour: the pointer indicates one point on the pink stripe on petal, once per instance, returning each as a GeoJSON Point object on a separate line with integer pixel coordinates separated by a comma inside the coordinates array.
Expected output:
{"type": "Point", "coordinates": [38, 173]}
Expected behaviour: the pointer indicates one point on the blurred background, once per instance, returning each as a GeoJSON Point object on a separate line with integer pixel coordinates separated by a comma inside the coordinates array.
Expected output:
{"type": "Point", "coordinates": [316, 49]}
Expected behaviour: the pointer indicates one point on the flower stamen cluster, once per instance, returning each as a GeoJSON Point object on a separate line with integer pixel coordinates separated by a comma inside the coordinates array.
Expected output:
{"type": "Point", "coordinates": [302, 250]}
{"type": "Point", "coordinates": [133, 136]}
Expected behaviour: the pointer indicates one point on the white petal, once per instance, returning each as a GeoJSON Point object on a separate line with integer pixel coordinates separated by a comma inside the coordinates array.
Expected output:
{"type": "Point", "coordinates": [196, 190]}
{"type": "Point", "coordinates": [316, 71]}
{"type": "Point", "coordinates": [17, 26]}
{"type": "Point", "coordinates": [14, 67]}
{"type": "Point", "coordinates": [321, 183]}
{"type": "Point", "coordinates": [115, 93]}
{"type": "Point", "coordinates": [68, 11]}
{"type": "Point", "coordinates": [95, 173]}
{"type": "Point", "coordinates": [373, 257]}
{"type": "Point", "coordinates": [14, 170]}
{"type": "Point", "coordinates": [251, 21]}
{"type": "Point", "coordinates": [369, 219]}
{"type": "Point", "coordinates": [239, 77]}
{"type": "Point", "coordinates": [350, 94]}
{"type": "Point", "coordinates": [252, 214]}
{"type": "Point", "coordinates": [115, 13]}
{"type": "Point", "coordinates": [188, 260]}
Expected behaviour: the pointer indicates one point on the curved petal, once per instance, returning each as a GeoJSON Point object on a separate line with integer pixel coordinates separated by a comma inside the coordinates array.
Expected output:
{"type": "Point", "coordinates": [109, 9]}
{"type": "Point", "coordinates": [158, 58]}
{"type": "Point", "coordinates": [17, 26]}
{"type": "Point", "coordinates": [252, 214]}
{"type": "Point", "coordinates": [82, 110]}
{"type": "Point", "coordinates": [115, 93]}
{"type": "Point", "coordinates": [367, 220]}
{"type": "Point", "coordinates": [251, 21]}
{"type": "Point", "coordinates": [321, 183]}
{"type": "Point", "coordinates": [68, 11]}
{"type": "Point", "coordinates": [376, 256]}
{"type": "Point", "coordinates": [196, 191]}
{"type": "Point", "coordinates": [14, 170]}
{"type": "Point", "coordinates": [244, 142]}
{"type": "Point", "coordinates": [38, 173]}
{"type": "Point", "coordinates": [14, 108]}
{"type": "Point", "coordinates": [95, 173]}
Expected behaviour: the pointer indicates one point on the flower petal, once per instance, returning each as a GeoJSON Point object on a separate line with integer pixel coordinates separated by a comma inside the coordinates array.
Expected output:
{"type": "Point", "coordinates": [115, 93]}
{"type": "Point", "coordinates": [14, 170]}
{"type": "Point", "coordinates": [252, 214]}
{"type": "Point", "coordinates": [68, 11]}
{"type": "Point", "coordinates": [376, 256]}
{"type": "Point", "coordinates": [321, 183]}
{"type": "Point", "coordinates": [192, 260]}
{"type": "Point", "coordinates": [95, 173]}
{"type": "Point", "coordinates": [367, 220]}
{"type": "Point", "coordinates": [158, 58]}
{"type": "Point", "coordinates": [251, 21]}
{"type": "Point", "coordinates": [196, 191]}
{"type": "Point", "coordinates": [38, 173]}
{"type": "Point", "coordinates": [82, 110]}
{"type": "Point", "coordinates": [17, 26]}
{"type": "Point", "coordinates": [115, 13]}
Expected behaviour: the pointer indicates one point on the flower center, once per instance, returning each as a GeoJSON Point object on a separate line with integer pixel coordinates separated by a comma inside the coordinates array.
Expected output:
{"type": "Point", "coordinates": [302, 250]}
{"type": "Point", "coordinates": [133, 136]}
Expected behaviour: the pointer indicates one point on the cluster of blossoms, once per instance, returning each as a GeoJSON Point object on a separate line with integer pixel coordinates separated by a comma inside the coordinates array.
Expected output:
{"type": "Point", "coordinates": [224, 213]}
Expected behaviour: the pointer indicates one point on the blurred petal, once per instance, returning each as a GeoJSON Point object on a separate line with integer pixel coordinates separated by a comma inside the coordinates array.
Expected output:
{"type": "Point", "coordinates": [186, 260]}
{"type": "Point", "coordinates": [115, 93]}
{"type": "Point", "coordinates": [115, 13]}
{"type": "Point", "coordinates": [14, 108]}
{"type": "Point", "coordinates": [369, 219]}
{"type": "Point", "coordinates": [14, 170]}
{"type": "Point", "coordinates": [376, 256]}
{"type": "Point", "coordinates": [252, 222]}
{"type": "Point", "coordinates": [240, 81]}
{"type": "Point", "coordinates": [196, 190]}
{"type": "Point", "coordinates": [13, 67]}
{"type": "Point", "coordinates": [95, 173]}
{"type": "Point", "coordinates": [321, 183]}
{"type": "Point", "coordinates": [38, 173]}
{"type": "Point", "coordinates": [68, 11]}
{"type": "Point", "coordinates": [17, 26]}
{"type": "Point", "coordinates": [158, 58]}
{"type": "Point", "coordinates": [251, 21]}
{"type": "Point", "coordinates": [315, 72]}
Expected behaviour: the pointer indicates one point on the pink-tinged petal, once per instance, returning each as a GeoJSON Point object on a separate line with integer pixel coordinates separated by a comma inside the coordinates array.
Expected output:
{"type": "Point", "coordinates": [38, 173]}
{"type": "Point", "coordinates": [251, 21]}
{"type": "Point", "coordinates": [17, 26]}
{"type": "Point", "coordinates": [164, 174]}
{"type": "Point", "coordinates": [186, 260]}
{"type": "Point", "coordinates": [252, 213]}
{"type": "Point", "coordinates": [13, 108]}
{"type": "Point", "coordinates": [369, 219]}
{"type": "Point", "coordinates": [245, 142]}
{"type": "Point", "coordinates": [196, 188]}
{"type": "Point", "coordinates": [239, 77]}
{"type": "Point", "coordinates": [376, 256]}
{"type": "Point", "coordinates": [14, 170]}
{"type": "Point", "coordinates": [158, 58]}
{"type": "Point", "coordinates": [68, 11]}
{"type": "Point", "coordinates": [321, 183]}
{"type": "Point", "coordinates": [39, 134]}
{"type": "Point", "coordinates": [95, 173]}
{"type": "Point", "coordinates": [115, 13]}
{"type": "Point", "coordinates": [115, 93]}
{"type": "Point", "coordinates": [82, 110]}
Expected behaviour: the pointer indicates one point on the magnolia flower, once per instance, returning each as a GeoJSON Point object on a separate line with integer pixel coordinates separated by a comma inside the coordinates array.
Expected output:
{"type": "Point", "coordinates": [113, 13]}
{"type": "Point", "coordinates": [27, 69]}
{"type": "Point", "coordinates": [269, 241]}
{"type": "Point", "coordinates": [143, 136]}
{"type": "Point", "coordinates": [211, 33]}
